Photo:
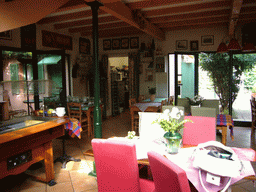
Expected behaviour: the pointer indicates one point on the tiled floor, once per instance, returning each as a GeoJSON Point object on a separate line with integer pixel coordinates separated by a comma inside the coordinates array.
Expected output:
{"type": "Point", "coordinates": [75, 177]}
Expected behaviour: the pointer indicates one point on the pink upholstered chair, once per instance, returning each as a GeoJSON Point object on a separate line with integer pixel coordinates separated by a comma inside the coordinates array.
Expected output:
{"type": "Point", "coordinates": [167, 176]}
{"type": "Point", "coordinates": [117, 167]}
{"type": "Point", "coordinates": [202, 129]}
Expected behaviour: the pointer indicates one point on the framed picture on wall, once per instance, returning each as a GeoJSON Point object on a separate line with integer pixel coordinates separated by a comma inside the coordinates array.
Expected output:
{"type": "Point", "coordinates": [106, 44]}
{"type": "Point", "coordinates": [181, 44]}
{"type": "Point", "coordinates": [6, 35]}
{"type": "Point", "coordinates": [84, 46]}
{"type": "Point", "coordinates": [193, 45]}
{"type": "Point", "coordinates": [207, 40]}
{"type": "Point", "coordinates": [115, 43]}
{"type": "Point", "coordinates": [134, 42]}
{"type": "Point", "coordinates": [125, 43]}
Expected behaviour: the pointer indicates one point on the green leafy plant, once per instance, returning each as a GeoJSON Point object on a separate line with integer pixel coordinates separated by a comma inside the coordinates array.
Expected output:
{"type": "Point", "coordinates": [196, 100]}
{"type": "Point", "coordinates": [218, 67]}
{"type": "Point", "coordinates": [170, 121]}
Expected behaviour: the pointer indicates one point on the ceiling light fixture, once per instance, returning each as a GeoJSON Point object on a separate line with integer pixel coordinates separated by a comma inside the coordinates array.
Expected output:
{"type": "Point", "coordinates": [222, 48]}
{"type": "Point", "coordinates": [233, 45]}
{"type": "Point", "coordinates": [248, 47]}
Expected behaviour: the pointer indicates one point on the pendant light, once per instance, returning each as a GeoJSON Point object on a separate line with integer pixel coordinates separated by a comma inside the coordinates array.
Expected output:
{"type": "Point", "coordinates": [222, 48]}
{"type": "Point", "coordinates": [248, 47]}
{"type": "Point", "coordinates": [233, 45]}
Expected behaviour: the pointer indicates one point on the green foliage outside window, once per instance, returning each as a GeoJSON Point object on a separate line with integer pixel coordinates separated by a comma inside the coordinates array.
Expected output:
{"type": "Point", "coordinates": [217, 66]}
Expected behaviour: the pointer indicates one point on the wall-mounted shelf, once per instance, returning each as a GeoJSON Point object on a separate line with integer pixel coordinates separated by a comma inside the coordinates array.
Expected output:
{"type": "Point", "coordinates": [160, 66]}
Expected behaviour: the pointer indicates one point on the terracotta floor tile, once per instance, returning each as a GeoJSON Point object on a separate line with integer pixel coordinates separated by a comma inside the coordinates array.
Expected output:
{"type": "Point", "coordinates": [61, 187]}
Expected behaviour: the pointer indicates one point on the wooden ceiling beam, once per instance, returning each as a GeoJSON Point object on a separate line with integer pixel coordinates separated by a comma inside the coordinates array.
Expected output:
{"type": "Point", "coordinates": [70, 16]}
{"type": "Point", "coordinates": [189, 16]}
{"type": "Point", "coordinates": [124, 13]}
{"type": "Point", "coordinates": [154, 3]}
{"type": "Point", "coordinates": [15, 14]}
{"type": "Point", "coordinates": [188, 8]}
{"type": "Point", "coordinates": [210, 25]}
{"type": "Point", "coordinates": [193, 22]}
{"type": "Point", "coordinates": [114, 32]}
{"type": "Point", "coordinates": [235, 11]}
{"type": "Point", "coordinates": [84, 22]}
{"type": "Point", "coordinates": [101, 26]}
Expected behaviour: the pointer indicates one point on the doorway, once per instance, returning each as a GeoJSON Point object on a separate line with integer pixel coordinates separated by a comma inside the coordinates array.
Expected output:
{"type": "Point", "coordinates": [118, 84]}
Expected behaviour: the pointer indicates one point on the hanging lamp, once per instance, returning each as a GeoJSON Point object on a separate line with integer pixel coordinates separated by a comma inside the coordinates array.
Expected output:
{"type": "Point", "coordinates": [248, 47]}
{"type": "Point", "coordinates": [233, 45]}
{"type": "Point", "coordinates": [222, 48]}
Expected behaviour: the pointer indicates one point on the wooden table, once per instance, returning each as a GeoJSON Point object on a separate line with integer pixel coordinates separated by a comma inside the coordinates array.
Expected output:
{"type": "Point", "coordinates": [143, 107]}
{"type": "Point", "coordinates": [22, 147]}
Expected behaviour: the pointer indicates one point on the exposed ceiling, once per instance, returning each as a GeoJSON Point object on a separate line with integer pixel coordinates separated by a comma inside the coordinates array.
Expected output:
{"type": "Point", "coordinates": [128, 17]}
{"type": "Point", "coordinates": [154, 17]}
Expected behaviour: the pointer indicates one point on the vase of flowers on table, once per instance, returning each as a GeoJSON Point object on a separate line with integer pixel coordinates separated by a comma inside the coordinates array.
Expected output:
{"type": "Point", "coordinates": [196, 100]}
{"type": "Point", "coordinates": [171, 123]}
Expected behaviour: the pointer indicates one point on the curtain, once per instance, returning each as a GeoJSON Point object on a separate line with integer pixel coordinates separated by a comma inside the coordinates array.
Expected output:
{"type": "Point", "coordinates": [134, 60]}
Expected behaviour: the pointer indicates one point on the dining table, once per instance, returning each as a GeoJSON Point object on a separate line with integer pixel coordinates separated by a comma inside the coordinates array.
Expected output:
{"type": "Point", "coordinates": [185, 161]}
{"type": "Point", "coordinates": [157, 100]}
{"type": "Point", "coordinates": [143, 107]}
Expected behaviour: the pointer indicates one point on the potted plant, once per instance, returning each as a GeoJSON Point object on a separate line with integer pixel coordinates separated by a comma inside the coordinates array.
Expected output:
{"type": "Point", "coordinates": [196, 100]}
{"type": "Point", "coordinates": [171, 123]}
{"type": "Point", "coordinates": [152, 93]}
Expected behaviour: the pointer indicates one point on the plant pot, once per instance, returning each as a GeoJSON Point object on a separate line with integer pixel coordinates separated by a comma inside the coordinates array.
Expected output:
{"type": "Point", "coordinates": [152, 98]}
{"type": "Point", "coordinates": [173, 142]}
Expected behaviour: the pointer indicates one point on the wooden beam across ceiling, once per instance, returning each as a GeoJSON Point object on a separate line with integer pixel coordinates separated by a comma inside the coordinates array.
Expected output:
{"type": "Point", "coordinates": [235, 11]}
{"type": "Point", "coordinates": [124, 13]}
{"type": "Point", "coordinates": [15, 14]}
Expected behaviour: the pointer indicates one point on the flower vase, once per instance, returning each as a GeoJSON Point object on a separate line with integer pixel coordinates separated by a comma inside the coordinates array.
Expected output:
{"type": "Point", "coordinates": [152, 97]}
{"type": "Point", "coordinates": [173, 142]}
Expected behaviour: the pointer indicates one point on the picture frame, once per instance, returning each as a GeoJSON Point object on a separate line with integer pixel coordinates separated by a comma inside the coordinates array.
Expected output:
{"type": "Point", "coordinates": [84, 46]}
{"type": "Point", "coordinates": [6, 35]}
{"type": "Point", "coordinates": [181, 45]}
{"type": "Point", "coordinates": [125, 43]}
{"type": "Point", "coordinates": [106, 44]}
{"type": "Point", "coordinates": [207, 40]}
{"type": "Point", "coordinates": [115, 43]}
{"type": "Point", "coordinates": [134, 42]}
{"type": "Point", "coordinates": [194, 45]}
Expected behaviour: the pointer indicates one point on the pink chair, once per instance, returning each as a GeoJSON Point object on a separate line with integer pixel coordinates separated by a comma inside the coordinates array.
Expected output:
{"type": "Point", "coordinates": [202, 129]}
{"type": "Point", "coordinates": [117, 167]}
{"type": "Point", "coordinates": [167, 176]}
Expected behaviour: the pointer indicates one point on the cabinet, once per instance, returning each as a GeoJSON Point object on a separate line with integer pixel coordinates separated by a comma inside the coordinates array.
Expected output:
{"type": "Point", "coordinates": [115, 98]}
{"type": "Point", "coordinates": [160, 66]}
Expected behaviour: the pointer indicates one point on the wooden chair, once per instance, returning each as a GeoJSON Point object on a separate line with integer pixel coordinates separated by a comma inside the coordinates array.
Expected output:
{"type": "Point", "coordinates": [170, 100]}
{"type": "Point", "coordinates": [134, 115]}
{"type": "Point", "coordinates": [141, 98]}
{"type": "Point", "coordinates": [132, 101]}
{"type": "Point", "coordinates": [163, 103]}
{"type": "Point", "coordinates": [75, 111]}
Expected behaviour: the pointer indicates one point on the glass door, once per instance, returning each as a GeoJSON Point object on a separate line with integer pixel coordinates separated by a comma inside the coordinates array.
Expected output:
{"type": "Point", "coordinates": [186, 75]}
{"type": "Point", "coordinates": [241, 108]}
{"type": "Point", "coordinates": [53, 76]}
